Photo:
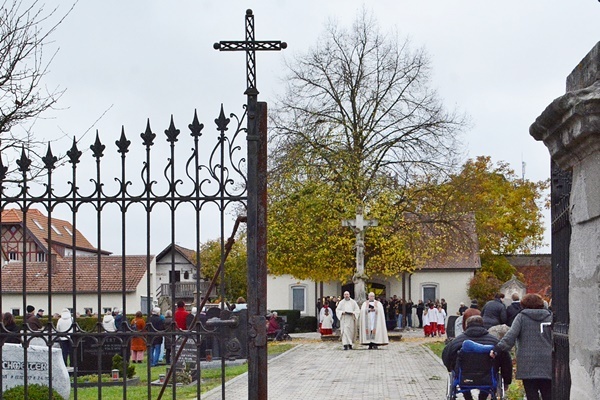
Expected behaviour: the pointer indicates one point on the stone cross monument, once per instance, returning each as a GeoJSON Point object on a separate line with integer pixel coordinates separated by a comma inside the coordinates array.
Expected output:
{"type": "Point", "coordinates": [570, 129]}
{"type": "Point", "coordinates": [358, 225]}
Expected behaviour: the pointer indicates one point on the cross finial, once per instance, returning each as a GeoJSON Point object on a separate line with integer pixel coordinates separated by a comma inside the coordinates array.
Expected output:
{"type": "Point", "coordinates": [250, 46]}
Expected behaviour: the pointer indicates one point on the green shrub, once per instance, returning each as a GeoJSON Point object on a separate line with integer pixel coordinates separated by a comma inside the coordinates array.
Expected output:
{"type": "Point", "coordinates": [306, 324]}
{"type": "Point", "coordinates": [34, 392]}
{"type": "Point", "coordinates": [87, 324]}
{"type": "Point", "coordinates": [292, 318]}
{"type": "Point", "coordinates": [117, 363]}
{"type": "Point", "coordinates": [483, 286]}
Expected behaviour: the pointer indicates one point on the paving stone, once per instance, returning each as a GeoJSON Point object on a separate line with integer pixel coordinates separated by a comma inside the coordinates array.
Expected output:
{"type": "Point", "coordinates": [322, 369]}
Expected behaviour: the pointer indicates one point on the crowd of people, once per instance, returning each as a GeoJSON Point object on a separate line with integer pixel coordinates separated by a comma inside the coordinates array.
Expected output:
{"type": "Point", "coordinates": [398, 314]}
{"type": "Point", "coordinates": [525, 324]}
{"type": "Point", "coordinates": [146, 337]}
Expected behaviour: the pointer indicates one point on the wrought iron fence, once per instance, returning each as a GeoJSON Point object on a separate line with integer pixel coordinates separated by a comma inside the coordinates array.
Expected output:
{"type": "Point", "coordinates": [561, 240]}
{"type": "Point", "coordinates": [76, 275]}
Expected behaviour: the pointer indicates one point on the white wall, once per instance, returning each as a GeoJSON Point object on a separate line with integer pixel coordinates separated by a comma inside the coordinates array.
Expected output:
{"type": "Point", "coordinates": [450, 285]}
{"type": "Point", "coordinates": [79, 253]}
{"type": "Point", "coordinates": [181, 264]}
{"type": "Point", "coordinates": [279, 293]}
{"type": "Point", "coordinates": [60, 301]}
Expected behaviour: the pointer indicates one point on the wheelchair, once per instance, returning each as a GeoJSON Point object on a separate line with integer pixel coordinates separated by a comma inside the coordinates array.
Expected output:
{"type": "Point", "coordinates": [475, 369]}
{"type": "Point", "coordinates": [283, 335]}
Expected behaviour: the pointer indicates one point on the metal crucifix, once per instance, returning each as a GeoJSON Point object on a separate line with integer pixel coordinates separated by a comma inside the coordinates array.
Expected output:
{"type": "Point", "coordinates": [250, 46]}
{"type": "Point", "coordinates": [256, 210]}
{"type": "Point", "coordinates": [358, 225]}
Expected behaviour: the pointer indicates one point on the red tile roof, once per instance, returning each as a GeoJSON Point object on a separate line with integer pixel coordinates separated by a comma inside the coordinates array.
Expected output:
{"type": "Point", "coordinates": [457, 250]}
{"type": "Point", "coordinates": [188, 254]}
{"type": "Point", "coordinates": [86, 278]}
{"type": "Point", "coordinates": [56, 230]}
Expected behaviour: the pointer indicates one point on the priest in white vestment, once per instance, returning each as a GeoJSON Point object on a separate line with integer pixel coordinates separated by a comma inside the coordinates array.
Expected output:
{"type": "Point", "coordinates": [347, 312]}
{"type": "Point", "coordinates": [372, 323]}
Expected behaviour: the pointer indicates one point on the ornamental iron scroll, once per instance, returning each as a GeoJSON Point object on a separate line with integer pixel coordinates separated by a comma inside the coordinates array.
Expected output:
{"type": "Point", "coordinates": [173, 174]}
{"type": "Point", "coordinates": [221, 177]}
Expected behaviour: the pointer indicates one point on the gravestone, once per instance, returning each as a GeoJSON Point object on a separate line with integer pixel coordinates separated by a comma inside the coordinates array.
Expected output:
{"type": "Point", "coordinates": [188, 356]}
{"type": "Point", "coordinates": [513, 286]}
{"type": "Point", "coordinates": [236, 344]}
{"type": "Point", "coordinates": [235, 340]}
{"type": "Point", "coordinates": [87, 355]}
{"type": "Point", "coordinates": [451, 326]}
{"type": "Point", "coordinates": [38, 368]}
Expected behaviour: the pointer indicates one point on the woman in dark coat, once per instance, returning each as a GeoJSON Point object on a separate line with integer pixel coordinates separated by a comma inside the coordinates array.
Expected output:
{"type": "Point", "coordinates": [530, 332]}
{"type": "Point", "coordinates": [168, 338]}
{"type": "Point", "coordinates": [420, 309]}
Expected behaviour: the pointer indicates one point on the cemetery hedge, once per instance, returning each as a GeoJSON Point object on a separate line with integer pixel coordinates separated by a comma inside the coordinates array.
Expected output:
{"type": "Point", "coordinates": [307, 324]}
{"type": "Point", "coordinates": [87, 324]}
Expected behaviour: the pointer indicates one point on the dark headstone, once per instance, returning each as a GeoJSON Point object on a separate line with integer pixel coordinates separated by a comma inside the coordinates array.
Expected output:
{"type": "Point", "coordinates": [237, 341]}
{"type": "Point", "coordinates": [450, 324]}
{"type": "Point", "coordinates": [88, 354]}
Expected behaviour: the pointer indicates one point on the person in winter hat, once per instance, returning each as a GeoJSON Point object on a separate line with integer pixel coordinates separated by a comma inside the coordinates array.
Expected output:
{"type": "Point", "coordinates": [65, 324]}
{"type": "Point", "coordinates": [108, 322]}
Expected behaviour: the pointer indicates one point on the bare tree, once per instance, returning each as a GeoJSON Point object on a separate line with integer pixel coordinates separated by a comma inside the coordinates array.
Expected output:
{"type": "Point", "coordinates": [358, 111]}
{"type": "Point", "coordinates": [25, 29]}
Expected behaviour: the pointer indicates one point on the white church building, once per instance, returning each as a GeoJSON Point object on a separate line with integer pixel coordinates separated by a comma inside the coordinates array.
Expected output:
{"type": "Point", "coordinates": [445, 276]}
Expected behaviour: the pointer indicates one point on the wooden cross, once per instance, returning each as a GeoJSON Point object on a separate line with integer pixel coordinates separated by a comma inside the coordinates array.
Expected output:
{"type": "Point", "coordinates": [250, 46]}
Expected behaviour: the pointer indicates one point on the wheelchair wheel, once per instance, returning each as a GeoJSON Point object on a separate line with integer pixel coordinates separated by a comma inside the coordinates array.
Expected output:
{"type": "Point", "coordinates": [451, 389]}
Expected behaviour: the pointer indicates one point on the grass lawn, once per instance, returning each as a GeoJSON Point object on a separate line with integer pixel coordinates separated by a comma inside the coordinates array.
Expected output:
{"type": "Point", "coordinates": [210, 379]}
{"type": "Point", "coordinates": [515, 390]}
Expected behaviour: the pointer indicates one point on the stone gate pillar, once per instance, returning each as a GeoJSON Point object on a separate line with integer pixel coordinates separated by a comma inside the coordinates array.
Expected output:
{"type": "Point", "coordinates": [570, 129]}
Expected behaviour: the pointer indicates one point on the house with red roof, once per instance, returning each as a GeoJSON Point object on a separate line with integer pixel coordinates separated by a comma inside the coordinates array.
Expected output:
{"type": "Point", "coordinates": [49, 263]}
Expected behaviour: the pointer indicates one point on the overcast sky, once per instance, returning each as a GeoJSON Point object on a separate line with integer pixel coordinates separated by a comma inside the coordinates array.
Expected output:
{"type": "Point", "coordinates": [501, 63]}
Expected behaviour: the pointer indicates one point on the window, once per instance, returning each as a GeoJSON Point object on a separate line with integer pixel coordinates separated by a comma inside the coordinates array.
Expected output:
{"type": "Point", "coordinates": [429, 292]}
{"type": "Point", "coordinates": [299, 298]}
{"type": "Point", "coordinates": [106, 310]}
{"type": "Point", "coordinates": [55, 230]}
{"type": "Point", "coordinates": [40, 256]}
{"type": "Point", "coordinates": [16, 312]}
{"type": "Point", "coordinates": [186, 275]}
{"type": "Point", "coordinates": [13, 255]}
{"type": "Point", "coordinates": [68, 230]}
{"type": "Point", "coordinates": [88, 311]}
{"type": "Point", "coordinates": [174, 276]}
{"type": "Point", "coordinates": [35, 221]}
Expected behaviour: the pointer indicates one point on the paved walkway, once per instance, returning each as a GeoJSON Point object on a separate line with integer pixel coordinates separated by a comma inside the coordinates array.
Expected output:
{"type": "Point", "coordinates": [323, 370]}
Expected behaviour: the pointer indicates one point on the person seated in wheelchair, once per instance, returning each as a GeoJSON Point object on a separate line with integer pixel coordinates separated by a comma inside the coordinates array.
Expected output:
{"type": "Point", "coordinates": [476, 332]}
{"type": "Point", "coordinates": [273, 329]}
